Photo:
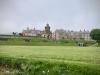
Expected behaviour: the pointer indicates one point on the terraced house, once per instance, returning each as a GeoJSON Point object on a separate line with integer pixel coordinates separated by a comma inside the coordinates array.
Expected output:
{"type": "Point", "coordinates": [71, 35]}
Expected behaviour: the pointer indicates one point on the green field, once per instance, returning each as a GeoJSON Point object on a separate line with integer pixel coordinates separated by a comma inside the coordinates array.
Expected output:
{"type": "Point", "coordinates": [81, 56]}
{"type": "Point", "coordinates": [89, 55]}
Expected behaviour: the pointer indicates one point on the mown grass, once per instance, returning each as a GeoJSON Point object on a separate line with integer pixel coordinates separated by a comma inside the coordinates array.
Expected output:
{"type": "Point", "coordinates": [81, 54]}
{"type": "Point", "coordinates": [59, 60]}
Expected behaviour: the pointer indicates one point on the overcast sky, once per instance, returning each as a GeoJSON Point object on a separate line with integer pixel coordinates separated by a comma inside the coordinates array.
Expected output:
{"type": "Point", "coordinates": [16, 15]}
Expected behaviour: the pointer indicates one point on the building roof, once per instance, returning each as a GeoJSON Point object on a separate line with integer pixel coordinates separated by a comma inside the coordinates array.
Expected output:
{"type": "Point", "coordinates": [47, 25]}
{"type": "Point", "coordinates": [33, 31]}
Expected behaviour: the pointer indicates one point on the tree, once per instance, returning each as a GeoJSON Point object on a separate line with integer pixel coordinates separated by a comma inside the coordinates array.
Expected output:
{"type": "Point", "coordinates": [20, 34]}
{"type": "Point", "coordinates": [95, 35]}
{"type": "Point", "coordinates": [14, 33]}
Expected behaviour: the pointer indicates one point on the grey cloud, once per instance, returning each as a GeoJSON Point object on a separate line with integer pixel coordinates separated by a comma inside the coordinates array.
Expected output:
{"type": "Point", "coordinates": [16, 15]}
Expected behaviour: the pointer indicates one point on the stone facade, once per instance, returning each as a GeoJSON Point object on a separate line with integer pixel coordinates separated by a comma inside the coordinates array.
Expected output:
{"type": "Point", "coordinates": [47, 33]}
{"type": "Point", "coordinates": [59, 34]}
{"type": "Point", "coordinates": [71, 35]}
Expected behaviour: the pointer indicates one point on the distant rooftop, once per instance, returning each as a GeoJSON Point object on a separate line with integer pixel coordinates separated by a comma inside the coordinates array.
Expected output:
{"type": "Point", "coordinates": [47, 25]}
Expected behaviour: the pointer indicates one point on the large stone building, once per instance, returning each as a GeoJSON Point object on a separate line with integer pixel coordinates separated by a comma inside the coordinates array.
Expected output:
{"type": "Point", "coordinates": [71, 35]}
{"type": "Point", "coordinates": [59, 34]}
{"type": "Point", "coordinates": [33, 32]}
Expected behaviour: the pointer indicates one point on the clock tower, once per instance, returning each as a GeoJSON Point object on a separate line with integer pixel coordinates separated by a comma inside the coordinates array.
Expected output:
{"type": "Point", "coordinates": [47, 32]}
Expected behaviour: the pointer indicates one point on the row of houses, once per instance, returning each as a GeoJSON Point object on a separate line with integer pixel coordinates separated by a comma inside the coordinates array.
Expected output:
{"type": "Point", "coordinates": [58, 34]}
{"type": "Point", "coordinates": [71, 35]}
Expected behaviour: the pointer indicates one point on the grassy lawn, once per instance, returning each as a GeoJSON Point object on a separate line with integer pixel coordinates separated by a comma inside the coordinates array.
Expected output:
{"type": "Point", "coordinates": [89, 55]}
{"type": "Point", "coordinates": [84, 56]}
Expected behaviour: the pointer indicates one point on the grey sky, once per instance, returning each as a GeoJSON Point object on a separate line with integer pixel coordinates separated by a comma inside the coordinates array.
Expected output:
{"type": "Point", "coordinates": [16, 15]}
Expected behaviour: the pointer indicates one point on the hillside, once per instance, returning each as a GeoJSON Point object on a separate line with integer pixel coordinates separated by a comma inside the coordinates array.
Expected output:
{"type": "Point", "coordinates": [43, 42]}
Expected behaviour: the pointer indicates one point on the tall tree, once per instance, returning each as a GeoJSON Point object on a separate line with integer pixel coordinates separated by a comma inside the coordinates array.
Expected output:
{"type": "Point", "coordinates": [14, 33]}
{"type": "Point", "coordinates": [95, 35]}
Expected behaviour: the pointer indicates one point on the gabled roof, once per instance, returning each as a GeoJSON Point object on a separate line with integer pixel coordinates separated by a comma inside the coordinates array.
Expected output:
{"type": "Point", "coordinates": [33, 31]}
